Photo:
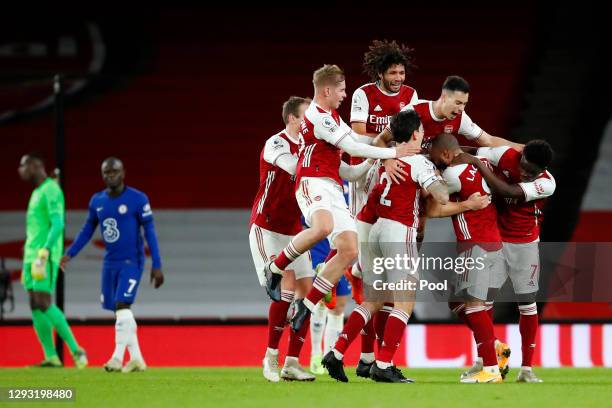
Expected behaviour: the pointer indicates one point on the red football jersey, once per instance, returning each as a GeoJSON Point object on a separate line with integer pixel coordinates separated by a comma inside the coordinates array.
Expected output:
{"type": "Point", "coordinates": [519, 220]}
{"type": "Point", "coordinates": [375, 107]}
{"type": "Point", "coordinates": [320, 134]}
{"type": "Point", "coordinates": [472, 227]}
{"type": "Point", "coordinates": [275, 207]}
{"type": "Point", "coordinates": [400, 202]}
{"type": "Point", "coordinates": [462, 125]}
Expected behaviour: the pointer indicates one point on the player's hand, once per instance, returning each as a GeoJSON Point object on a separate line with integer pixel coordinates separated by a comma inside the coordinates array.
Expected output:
{"type": "Point", "coordinates": [405, 149]}
{"type": "Point", "coordinates": [157, 277]}
{"type": "Point", "coordinates": [518, 147]}
{"type": "Point", "coordinates": [39, 266]}
{"type": "Point", "coordinates": [395, 170]}
{"type": "Point", "coordinates": [64, 261]}
{"type": "Point", "coordinates": [478, 202]}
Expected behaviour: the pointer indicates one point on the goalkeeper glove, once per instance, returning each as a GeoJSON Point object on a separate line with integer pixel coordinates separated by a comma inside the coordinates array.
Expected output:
{"type": "Point", "coordinates": [39, 267]}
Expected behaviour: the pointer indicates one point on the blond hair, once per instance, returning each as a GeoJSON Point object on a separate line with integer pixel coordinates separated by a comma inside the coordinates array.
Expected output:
{"type": "Point", "coordinates": [327, 75]}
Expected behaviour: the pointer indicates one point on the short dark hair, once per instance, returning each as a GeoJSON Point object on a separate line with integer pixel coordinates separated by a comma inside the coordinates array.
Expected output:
{"type": "Point", "coordinates": [403, 125]}
{"type": "Point", "coordinates": [445, 141]}
{"type": "Point", "coordinates": [34, 156]}
{"type": "Point", "coordinates": [538, 152]}
{"type": "Point", "coordinates": [382, 54]}
{"type": "Point", "coordinates": [456, 83]}
{"type": "Point", "coordinates": [291, 106]}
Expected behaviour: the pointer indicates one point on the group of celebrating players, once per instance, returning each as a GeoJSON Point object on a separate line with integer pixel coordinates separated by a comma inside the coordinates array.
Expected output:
{"type": "Point", "coordinates": [416, 166]}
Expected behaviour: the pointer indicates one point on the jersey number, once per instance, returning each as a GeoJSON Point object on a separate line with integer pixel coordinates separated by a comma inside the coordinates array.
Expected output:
{"type": "Point", "coordinates": [384, 179]}
{"type": "Point", "coordinates": [111, 232]}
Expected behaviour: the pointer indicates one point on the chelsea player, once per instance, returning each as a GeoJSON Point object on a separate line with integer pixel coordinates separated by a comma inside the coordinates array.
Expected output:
{"type": "Point", "coordinates": [121, 211]}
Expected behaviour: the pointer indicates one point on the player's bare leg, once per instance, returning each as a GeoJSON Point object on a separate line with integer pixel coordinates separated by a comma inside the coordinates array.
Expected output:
{"type": "Point", "coordinates": [322, 226]}
{"type": "Point", "coordinates": [384, 370]}
{"type": "Point", "coordinates": [346, 245]}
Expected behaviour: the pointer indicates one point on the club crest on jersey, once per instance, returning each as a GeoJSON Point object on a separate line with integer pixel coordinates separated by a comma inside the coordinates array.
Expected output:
{"type": "Point", "coordinates": [448, 129]}
{"type": "Point", "coordinates": [402, 104]}
{"type": "Point", "coordinates": [123, 209]}
{"type": "Point", "coordinates": [327, 122]}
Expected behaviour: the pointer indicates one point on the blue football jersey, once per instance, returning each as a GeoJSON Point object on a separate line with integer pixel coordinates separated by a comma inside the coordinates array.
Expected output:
{"type": "Point", "coordinates": [120, 220]}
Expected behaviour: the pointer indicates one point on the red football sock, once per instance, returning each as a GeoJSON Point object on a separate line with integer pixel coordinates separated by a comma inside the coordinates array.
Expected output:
{"type": "Point", "coordinates": [368, 337]}
{"type": "Point", "coordinates": [380, 321]}
{"type": "Point", "coordinates": [394, 331]}
{"type": "Point", "coordinates": [320, 287]}
{"type": "Point", "coordinates": [296, 339]}
{"type": "Point", "coordinates": [483, 333]}
{"type": "Point", "coordinates": [356, 321]}
{"type": "Point", "coordinates": [277, 317]}
{"type": "Point", "coordinates": [528, 326]}
{"type": "Point", "coordinates": [288, 255]}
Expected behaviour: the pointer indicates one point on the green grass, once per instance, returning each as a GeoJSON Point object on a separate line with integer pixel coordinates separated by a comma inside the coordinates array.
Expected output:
{"type": "Point", "coordinates": [245, 387]}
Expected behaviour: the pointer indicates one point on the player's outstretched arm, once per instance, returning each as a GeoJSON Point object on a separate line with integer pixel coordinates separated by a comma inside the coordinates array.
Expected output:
{"type": "Point", "coordinates": [498, 185]}
{"type": "Point", "coordinates": [287, 162]}
{"type": "Point", "coordinates": [474, 202]}
{"type": "Point", "coordinates": [355, 172]}
{"type": "Point", "coordinates": [488, 140]}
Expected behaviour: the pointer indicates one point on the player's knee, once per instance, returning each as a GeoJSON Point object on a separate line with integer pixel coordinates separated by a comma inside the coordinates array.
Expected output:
{"type": "Point", "coordinates": [122, 305]}
{"type": "Point", "coordinates": [323, 230]}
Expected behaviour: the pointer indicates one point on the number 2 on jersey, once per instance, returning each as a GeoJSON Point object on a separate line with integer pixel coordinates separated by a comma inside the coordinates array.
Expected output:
{"type": "Point", "coordinates": [384, 179]}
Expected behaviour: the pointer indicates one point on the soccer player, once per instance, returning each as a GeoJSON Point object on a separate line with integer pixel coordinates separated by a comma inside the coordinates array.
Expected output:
{"type": "Point", "coordinates": [374, 103]}
{"type": "Point", "coordinates": [395, 209]}
{"type": "Point", "coordinates": [42, 251]}
{"type": "Point", "coordinates": [275, 219]}
{"type": "Point", "coordinates": [372, 107]}
{"type": "Point", "coordinates": [121, 212]}
{"type": "Point", "coordinates": [323, 135]}
{"type": "Point", "coordinates": [478, 238]}
{"type": "Point", "coordinates": [522, 183]}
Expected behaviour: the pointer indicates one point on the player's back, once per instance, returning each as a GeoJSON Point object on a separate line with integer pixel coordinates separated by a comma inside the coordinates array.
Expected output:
{"type": "Point", "coordinates": [400, 202]}
{"type": "Point", "coordinates": [472, 227]}
{"type": "Point", "coordinates": [120, 219]}
{"type": "Point", "coordinates": [275, 207]}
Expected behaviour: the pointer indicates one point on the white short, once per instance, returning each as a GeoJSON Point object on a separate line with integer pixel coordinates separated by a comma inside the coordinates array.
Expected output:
{"type": "Point", "coordinates": [321, 193]}
{"type": "Point", "coordinates": [522, 266]}
{"type": "Point", "coordinates": [266, 245]}
{"type": "Point", "coordinates": [476, 280]}
{"type": "Point", "coordinates": [389, 239]}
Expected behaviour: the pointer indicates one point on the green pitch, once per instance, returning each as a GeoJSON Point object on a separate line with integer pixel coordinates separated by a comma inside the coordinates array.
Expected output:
{"type": "Point", "coordinates": [245, 387]}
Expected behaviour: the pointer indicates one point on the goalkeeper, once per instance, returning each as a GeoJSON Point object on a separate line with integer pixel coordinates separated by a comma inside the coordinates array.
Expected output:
{"type": "Point", "coordinates": [42, 253]}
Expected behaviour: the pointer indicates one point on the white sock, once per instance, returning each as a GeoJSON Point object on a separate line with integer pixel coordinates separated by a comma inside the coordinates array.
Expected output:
{"type": "Point", "coordinates": [309, 305]}
{"type": "Point", "coordinates": [337, 354]}
{"type": "Point", "coordinates": [122, 323]}
{"type": "Point", "coordinates": [271, 351]}
{"type": "Point", "coordinates": [291, 361]}
{"type": "Point", "coordinates": [132, 344]}
{"type": "Point", "coordinates": [491, 369]}
{"type": "Point", "coordinates": [333, 329]}
{"type": "Point", "coordinates": [382, 365]}
{"type": "Point", "coordinates": [525, 368]}
{"type": "Point", "coordinates": [367, 357]}
{"type": "Point", "coordinates": [479, 360]}
{"type": "Point", "coordinates": [317, 327]}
